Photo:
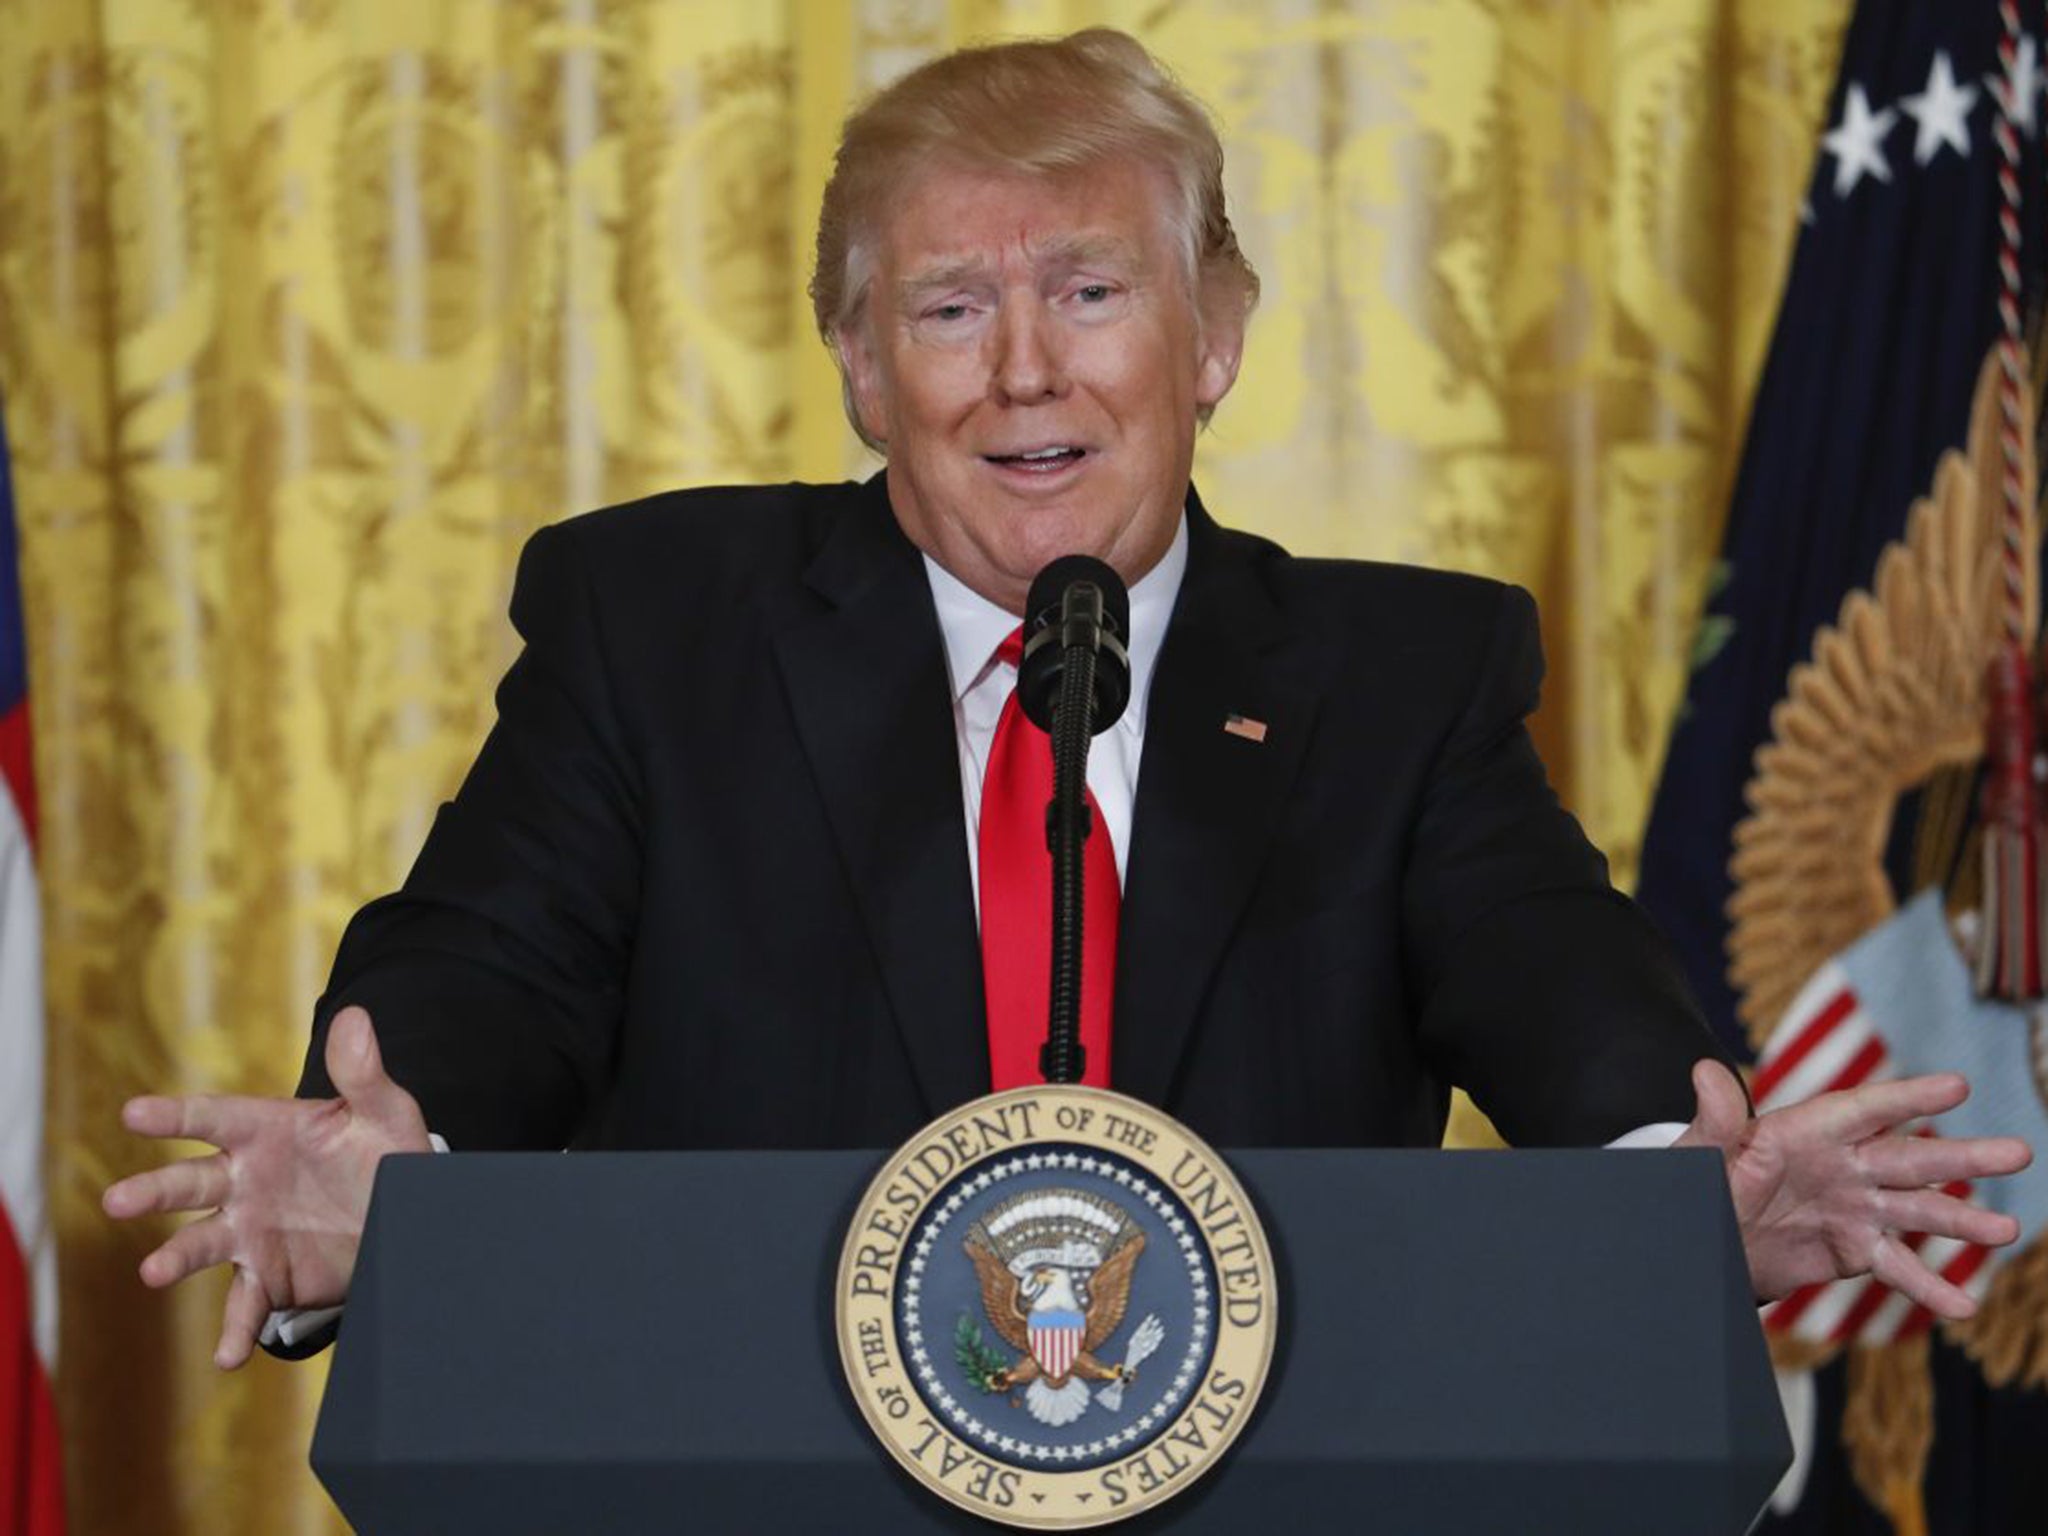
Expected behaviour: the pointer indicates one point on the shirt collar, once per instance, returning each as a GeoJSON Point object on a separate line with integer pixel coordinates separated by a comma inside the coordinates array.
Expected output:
{"type": "Point", "coordinates": [974, 627]}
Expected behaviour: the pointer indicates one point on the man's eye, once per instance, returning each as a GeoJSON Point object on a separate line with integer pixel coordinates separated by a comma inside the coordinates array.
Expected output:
{"type": "Point", "coordinates": [1093, 293]}
{"type": "Point", "coordinates": [946, 312]}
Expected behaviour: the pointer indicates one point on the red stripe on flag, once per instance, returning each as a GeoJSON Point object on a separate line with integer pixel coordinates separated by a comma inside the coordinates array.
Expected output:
{"type": "Point", "coordinates": [1964, 1266]}
{"type": "Point", "coordinates": [1875, 1293]}
{"type": "Point", "coordinates": [1818, 1028]}
{"type": "Point", "coordinates": [1861, 1065]}
{"type": "Point", "coordinates": [1958, 1271]}
{"type": "Point", "coordinates": [31, 1468]}
{"type": "Point", "coordinates": [14, 765]}
{"type": "Point", "coordinates": [1788, 1310]}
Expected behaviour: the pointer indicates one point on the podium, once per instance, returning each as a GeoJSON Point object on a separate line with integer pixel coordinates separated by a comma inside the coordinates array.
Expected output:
{"type": "Point", "coordinates": [1476, 1342]}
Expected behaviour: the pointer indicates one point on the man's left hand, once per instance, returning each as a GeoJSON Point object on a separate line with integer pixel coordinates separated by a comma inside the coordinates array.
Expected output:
{"type": "Point", "coordinates": [1825, 1189]}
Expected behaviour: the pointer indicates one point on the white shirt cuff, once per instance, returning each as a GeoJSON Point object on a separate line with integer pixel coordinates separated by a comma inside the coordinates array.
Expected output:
{"type": "Point", "coordinates": [1657, 1137]}
{"type": "Point", "coordinates": [289, 1328]}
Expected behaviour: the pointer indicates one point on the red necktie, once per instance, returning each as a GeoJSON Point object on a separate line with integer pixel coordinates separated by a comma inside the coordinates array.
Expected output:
{"type": "Point", "coordinates": [1016, 905]}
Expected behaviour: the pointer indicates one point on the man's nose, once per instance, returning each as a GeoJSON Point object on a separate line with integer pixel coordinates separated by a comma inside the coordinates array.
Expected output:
{"type": "Point", "coordinates": [1028, 366]}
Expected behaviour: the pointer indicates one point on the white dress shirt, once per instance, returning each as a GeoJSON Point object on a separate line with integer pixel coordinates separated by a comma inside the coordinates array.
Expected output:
{"type": "Point", "coordinates": [975, 628]}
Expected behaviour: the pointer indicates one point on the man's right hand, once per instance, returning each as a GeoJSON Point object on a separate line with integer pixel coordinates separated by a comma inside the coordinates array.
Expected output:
{"type": "Point", "coordinates": [288, 1188]}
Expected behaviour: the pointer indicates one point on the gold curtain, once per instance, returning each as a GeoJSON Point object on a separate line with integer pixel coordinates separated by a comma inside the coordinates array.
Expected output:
{"type": "Point", "coordinates": [311, 309]}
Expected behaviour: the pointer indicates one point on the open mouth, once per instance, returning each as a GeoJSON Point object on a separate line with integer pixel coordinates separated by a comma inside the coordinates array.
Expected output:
{"type": "Point", "coordinates": [1039, 460]}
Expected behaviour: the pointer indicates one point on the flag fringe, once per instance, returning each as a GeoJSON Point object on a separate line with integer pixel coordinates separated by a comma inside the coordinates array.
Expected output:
{"type": "Point", "coordinates": [2008, 1338]}
{"type": "Point", "coordinates": [1888, 1428]}
{"type": "Point", "coordinates": [1793, 1352]}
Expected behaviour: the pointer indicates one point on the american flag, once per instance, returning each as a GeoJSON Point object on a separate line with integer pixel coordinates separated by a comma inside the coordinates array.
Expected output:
{"type": "Point", "coordinates": [31, 1471]}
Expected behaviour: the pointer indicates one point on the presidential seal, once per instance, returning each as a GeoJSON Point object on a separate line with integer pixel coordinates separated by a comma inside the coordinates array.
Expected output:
{"type": "Point", "coordinates": [1056, 1307]}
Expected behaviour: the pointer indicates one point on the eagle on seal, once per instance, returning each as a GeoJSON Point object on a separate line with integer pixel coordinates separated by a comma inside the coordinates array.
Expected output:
{"type": "Point", "coordinates": [1055, 1271]}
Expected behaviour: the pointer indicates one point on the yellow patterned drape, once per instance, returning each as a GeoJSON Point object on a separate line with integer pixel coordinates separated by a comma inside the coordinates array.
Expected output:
{"type": "Point", "coordinates": [311, 309]}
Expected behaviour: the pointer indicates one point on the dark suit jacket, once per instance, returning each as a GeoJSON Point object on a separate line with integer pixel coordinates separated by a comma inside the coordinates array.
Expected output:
{"type": "Point", "coordinates": [706, 884]}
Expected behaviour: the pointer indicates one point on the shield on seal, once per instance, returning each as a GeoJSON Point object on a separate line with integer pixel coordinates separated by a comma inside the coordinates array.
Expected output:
{"type": "Point", "coordinates": [1056, 1340]}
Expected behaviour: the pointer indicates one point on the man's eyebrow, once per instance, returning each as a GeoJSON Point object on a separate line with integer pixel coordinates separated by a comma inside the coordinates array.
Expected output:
{"type": "Point", "coordinates": [950, 274]}
{"type": "Point", "coordinates": [1086, 251]}
{"type": "Point", "coordinates": [1065, 251]}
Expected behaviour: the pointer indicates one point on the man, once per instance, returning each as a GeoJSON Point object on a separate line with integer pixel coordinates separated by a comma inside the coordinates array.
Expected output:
{"type": "Point", "coordinates": [723, 873]}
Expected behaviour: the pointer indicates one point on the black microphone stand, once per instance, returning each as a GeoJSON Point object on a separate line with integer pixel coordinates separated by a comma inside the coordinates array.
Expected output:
{"type": "Point", "coordinates": [1062, 1059]}
{"type": "Point", "coordinates": [1074, 680]}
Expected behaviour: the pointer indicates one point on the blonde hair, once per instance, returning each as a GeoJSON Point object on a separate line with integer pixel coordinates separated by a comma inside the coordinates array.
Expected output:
{"type": "Point", "coordinates": [1043, 108]}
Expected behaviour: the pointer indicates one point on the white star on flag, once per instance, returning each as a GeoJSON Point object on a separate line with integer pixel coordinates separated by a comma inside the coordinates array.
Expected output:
{"type": "Point", "coordinates": [1942, 112]}
{"type": "Point", "coordinates": [1857, 143]}
{"type": "Point", "coordinates": [2016, 89]}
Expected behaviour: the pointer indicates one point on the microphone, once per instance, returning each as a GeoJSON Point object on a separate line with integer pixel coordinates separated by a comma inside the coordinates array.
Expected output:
{"type": "Point", "coordinates": [1077, 601]}
{"type": "Point", "coordinates": [1072, 683]}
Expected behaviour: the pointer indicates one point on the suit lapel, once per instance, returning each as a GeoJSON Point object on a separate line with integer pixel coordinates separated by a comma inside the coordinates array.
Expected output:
{"type": "Point", "coordinates": [1208, 801]}
{"type": "Point", "coordinates": [868, 685]}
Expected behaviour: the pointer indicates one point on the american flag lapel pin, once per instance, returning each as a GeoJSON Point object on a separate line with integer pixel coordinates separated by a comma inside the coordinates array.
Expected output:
{"type": "Point", "coordinates": [1235, 724]}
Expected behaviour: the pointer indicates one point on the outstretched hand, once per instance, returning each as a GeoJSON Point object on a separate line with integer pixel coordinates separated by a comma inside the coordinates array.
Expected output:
{"type": "Point", "coordinates": [288, 1188]}
{"type": "Point", "coordinates": [1824, 1189]}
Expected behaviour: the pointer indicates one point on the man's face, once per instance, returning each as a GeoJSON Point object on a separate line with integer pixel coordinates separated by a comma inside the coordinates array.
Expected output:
{"type": "Point", "coordinates": [1031, 357]}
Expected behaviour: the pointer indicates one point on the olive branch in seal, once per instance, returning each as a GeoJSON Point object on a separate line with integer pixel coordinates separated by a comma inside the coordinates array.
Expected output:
{"type": "Point", "coordinates": [981, 1362]}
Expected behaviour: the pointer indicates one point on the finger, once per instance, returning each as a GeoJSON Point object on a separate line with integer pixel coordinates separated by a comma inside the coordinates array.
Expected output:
{"type": "Point", "coordinates": [197, 1184]}
{"type": "Point", "coordinates": [355, 1066]}
{"type": "Point", "coordinates": [1939, 1215]}
{"type": "Point", "coordinates": [191, 1249]}
{"type": "Point", "coordinates": [1722, 1113]}
{"type": "Point", "coordinates": [217, 1118]}
{"type": "Point", "coordinates": [1900, 1269]}
{"type": "Point", "coordinates": [1900, 1162]}
{"type": "Point", "coordinates": [1855, 1114]}
{"type": "Point", "coordinates": [241, 1322]}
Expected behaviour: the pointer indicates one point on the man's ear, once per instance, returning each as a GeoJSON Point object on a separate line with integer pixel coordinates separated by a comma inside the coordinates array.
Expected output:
{"type": "Point", "coordinates": [1220, 348]}
{"type": "Point", "coordinates": [863, 372]}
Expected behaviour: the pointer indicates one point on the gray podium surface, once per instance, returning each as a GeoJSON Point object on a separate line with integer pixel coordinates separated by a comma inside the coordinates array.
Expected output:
{"type": "Point", "coordinates": [1502, 1343]}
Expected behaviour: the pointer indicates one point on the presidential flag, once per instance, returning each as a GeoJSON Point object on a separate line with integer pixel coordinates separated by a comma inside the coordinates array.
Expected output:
{"type": "Point", "coordinates": [31, 1473]}
{"type": "Point", "coordinates": [1919, 253]}
{"type": "Point", "coordinates": [1890, 306]}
